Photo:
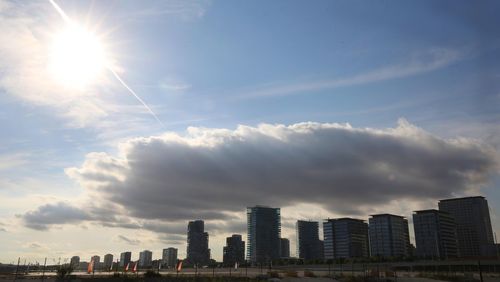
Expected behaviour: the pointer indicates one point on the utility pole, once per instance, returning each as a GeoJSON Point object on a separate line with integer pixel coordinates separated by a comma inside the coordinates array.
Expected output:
{"type": "Point", "coordinates": [480, 271]}
{"type": "Point", "coordinates": [43, 271]}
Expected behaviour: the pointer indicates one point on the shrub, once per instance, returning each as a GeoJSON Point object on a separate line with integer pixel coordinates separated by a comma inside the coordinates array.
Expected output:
{"type": "Point", "coordinates": [151, 274]}
{"type": "Point", "coordinates": [64, 271]}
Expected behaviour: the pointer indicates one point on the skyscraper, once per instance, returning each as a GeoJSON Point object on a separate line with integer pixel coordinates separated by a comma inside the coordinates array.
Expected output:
{"type": "Point", "coordinates": [389, 236]}
{"type": "Point", "coordinates": [145, 259]}
{"type": "Point", "coordinates": [264, 232]}
{"type": "Point", "coordinates": [345, 238]}
{"type": "Point", "coordinates": [169, 257]}
{"type": "Point", "coordinates": [125, 258]}
{"type": "Point", "coordinates": [435, 234]}
{"type": "Point", "coordinates": [284, 248]}
{"type": "Point", "coordinates": [108, 261]}
{"type": "Point", "coordinates": [96, 259]}
{"type": "Point", "coordinates": [474, 231]}
{"type": "Point", "coordinates": [234, 251]}
{"type": "Point", "coordinates": [197, 244]}
{"type": "Point", "coordinates": [308, 243]}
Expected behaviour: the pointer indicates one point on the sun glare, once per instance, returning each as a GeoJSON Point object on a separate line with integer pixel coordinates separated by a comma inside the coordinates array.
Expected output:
{"type": "Point", "coordinates": [77, 57]}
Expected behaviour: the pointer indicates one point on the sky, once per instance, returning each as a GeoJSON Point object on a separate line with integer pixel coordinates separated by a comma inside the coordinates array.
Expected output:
{"type": "Point", "coordinates": [323, 108]}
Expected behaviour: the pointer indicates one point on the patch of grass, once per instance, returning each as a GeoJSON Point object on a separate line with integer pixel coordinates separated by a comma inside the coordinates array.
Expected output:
{"type": "Point", "coordinates": [273, 274]}
{"type": "Point", "coordinates": [451, 278]}
{"type": "Point", "coordinates": [291, 273]}
{"type": "Point", "coordinates": [308, 273]}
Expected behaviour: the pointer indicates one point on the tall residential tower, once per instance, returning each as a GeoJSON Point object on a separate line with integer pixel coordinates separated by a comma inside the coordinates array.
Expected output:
{"type": "Point", "coordinates": [435, 234]}
{"type": "Point", "coordinates": [474, 231]}
{"type": "Point", "coordinates": [234, 251]}
{"type": "Point", "coordinates": [197, 244]}
{"type": "Point", "coordinates": [389, 236]}
{"type": "Point", "coordinates": [345, 238]}
{"type": "Point", "coordinates": [308, 243]}
{"type": "Point", "coordinates": [264, 232]}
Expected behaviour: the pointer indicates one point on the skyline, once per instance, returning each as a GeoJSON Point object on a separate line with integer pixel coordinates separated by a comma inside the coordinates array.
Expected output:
{"type": "Point", "coordinates": [195, 229]}
{"type": "Point", "coordinates": [330, 109]}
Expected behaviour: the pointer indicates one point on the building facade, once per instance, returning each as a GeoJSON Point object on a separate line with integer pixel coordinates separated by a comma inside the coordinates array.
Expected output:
{"type": "Point", "coordinates": [125, 258]}
{"type": "Point", "coordinates": [108, 261]}
{"type": "Point", "coordinates": [345, 238]}
{"type": "Point", "coordinates": [234, 251]}
{"type": "Point", "coordinates": [308, 243]}
{"type": "Point", "coordinates": [169, 257]}
{"type": "Point", "coordinates": [389, 236]}
{"type": "Point", "coordinates": [145, 259]}
{"type": "Point", "coordinates": [264, 233]}
{"type": "Point", "coordinates": [435, 234]}
{"type": "Point", "coordinates": [198, 252]}
{"type": "Point", "coordinates": [474, 231]}
{"type": "Point", "coordinates": [284, 248]}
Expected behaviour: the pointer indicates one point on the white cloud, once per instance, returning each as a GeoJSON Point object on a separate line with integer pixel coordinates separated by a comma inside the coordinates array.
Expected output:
{"type": "Point", "coordinates": [160, 182]}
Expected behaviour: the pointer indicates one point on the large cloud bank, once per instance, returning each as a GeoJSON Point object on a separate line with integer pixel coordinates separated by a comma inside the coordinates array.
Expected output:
{"type": "Point", "coordinates": [213, 174]}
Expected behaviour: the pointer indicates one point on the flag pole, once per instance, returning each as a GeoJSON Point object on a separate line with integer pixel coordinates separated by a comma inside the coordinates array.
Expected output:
{"type": "Point", "coordinates": [17, 268]}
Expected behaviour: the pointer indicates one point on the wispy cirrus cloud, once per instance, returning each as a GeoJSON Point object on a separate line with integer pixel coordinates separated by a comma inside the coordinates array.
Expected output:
{"type": "Point", "coordinates": [130, 241]}
{"type": "Point", "coordinates": [183, 9]}
{"type": "Point", "coordinates": [428, 61]}
{"type": "Point", "coordinates": [13, 160]}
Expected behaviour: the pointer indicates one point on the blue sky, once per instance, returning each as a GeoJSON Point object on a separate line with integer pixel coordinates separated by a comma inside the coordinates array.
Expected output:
{"type": "Point", "coordinates": [220, 64]}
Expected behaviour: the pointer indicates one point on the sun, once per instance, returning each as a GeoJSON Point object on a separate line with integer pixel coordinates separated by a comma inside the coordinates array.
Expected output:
{"type": "Point", "coordinates": [77, 58]}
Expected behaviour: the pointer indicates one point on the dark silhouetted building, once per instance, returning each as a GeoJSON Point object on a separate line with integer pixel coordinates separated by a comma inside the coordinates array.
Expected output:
{"type": "Point", "coordinates": [145, 259]}
{"type": "Point", "coordinates": [474, 231]}
{"type": "Point", "coordinates": [169, 257]}
{"type": "Point", "coordinates": [345, 238]}
{"type": "Point", "coordinates": [435, 234]}
{"type": "Point", "coordinates": [308, 243]}
{"type": "Point", "coordinates": [234, 251]}
{"type": "Point", "coordinates": [284, 248]}
{"type": "Point", "coordinates": [108, 261]}
{"type": "Point", "coordinates": [264, 232]}
{"type": "Point", "coordinates": [96, 259]}
{"type": "Point", "coordinates": [198, 252]}
{"type": "Point", "coordinates": [389, 236]}
{"type": "Point", "coordinates": [75, 261]}
{"type": "Point", "coordinates": [125, 258]}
